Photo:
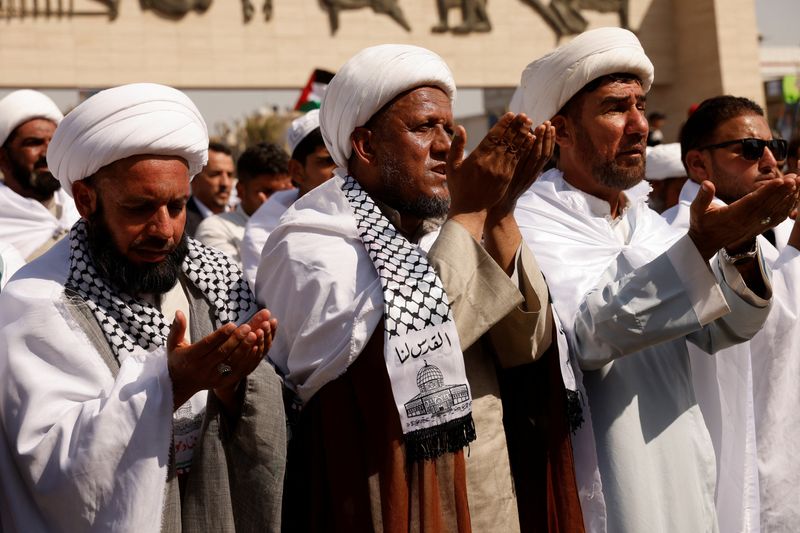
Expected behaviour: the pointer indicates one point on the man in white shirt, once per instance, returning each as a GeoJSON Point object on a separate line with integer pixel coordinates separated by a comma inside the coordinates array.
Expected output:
{"type": "Point", "coordinates": [311, 165]}
{"type": "Point", "coordinates": [629, 291]}
{"type": "Point", "coordinates": [748, 393]}
{"type": "Point", "coordinates": [34, 211]}
{"type": "Point", "coordinates": [263, 171]}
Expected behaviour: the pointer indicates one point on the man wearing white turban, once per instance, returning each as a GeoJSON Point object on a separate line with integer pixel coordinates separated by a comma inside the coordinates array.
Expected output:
{"type": "Point", "coordinates": [133, 391]}
{"type": "Point", "coordinates": [630, 291]}
{"type": "Point", "coordinates": [665, 172]}
{"type": "Point", "coordinates": [34, 211]}
{"type": "Point", "coordinates": [377, 300]}
{"type": "Point", "coordinates": [748, 392]}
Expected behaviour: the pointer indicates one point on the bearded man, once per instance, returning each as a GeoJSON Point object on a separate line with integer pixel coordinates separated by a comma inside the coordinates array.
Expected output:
{"type": "Point", "coordinates": [629, 291]}
{"type": "Point", "coordinates": [748, 392]}
{"type": "Point", "coordinates": [34, 211]}
{"type": "Point", "coordinates": [384, 311]}
{"type": "Point", "coordinates": [134, 396]}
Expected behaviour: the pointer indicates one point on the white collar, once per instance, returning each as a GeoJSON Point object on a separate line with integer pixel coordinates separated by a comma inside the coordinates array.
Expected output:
{"type": "Point", "coordinates": [574, 247]}
{"type": "Point", "coordinates": [601, 208]}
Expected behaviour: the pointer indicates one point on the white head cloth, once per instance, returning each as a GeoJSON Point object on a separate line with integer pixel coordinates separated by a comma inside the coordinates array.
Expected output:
{"type": "Point", "coordinates": [135, 119]}
{"type": "Point", "coordinates": [549, 82]}
{"type": "Point", "coordinates": [664, 161]}
{"type": "Point", "coordinates": [368, 81]}
{"type": "Point", "coordinates": [24, 105]}
{"type": "Point", "coordinates": [300, 128]}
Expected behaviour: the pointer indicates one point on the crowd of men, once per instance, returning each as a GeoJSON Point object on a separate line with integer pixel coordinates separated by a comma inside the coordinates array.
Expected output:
{"type": "Point", "coordinates": [565, 330]}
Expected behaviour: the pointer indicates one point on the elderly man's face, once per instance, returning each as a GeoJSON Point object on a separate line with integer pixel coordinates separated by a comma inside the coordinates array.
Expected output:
{"type": "Point", "coordinates": [24, 157]}
{"type": "Point", "coordinates": [411, 144]}
{"type": "Point", "coordinates": [213, 184]}
{"type": "Point", "coordinates": [733, 175]}
{"type": "Point", "coordinates": [610, 133]}
{"type": "Point", "coordinates": [136, 212]}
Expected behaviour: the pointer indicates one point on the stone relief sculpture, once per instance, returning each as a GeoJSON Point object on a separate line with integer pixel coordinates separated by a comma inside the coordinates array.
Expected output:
{"type": "Point", "coordinates": [54, 8]}
{"type": "Point", "coordinates": [175, 8]}
{"type": "Point", "coordinates": [383, 7]}
{"type": "Point", "coordinates": [564, 16]}
{"type": "Point", "coordinates": [473, 16]}
{"type": "Point", "coordinates": [249, 10]}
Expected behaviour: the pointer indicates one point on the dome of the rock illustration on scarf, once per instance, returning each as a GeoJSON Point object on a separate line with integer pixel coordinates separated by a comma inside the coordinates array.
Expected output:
{"type": "Point", "coordinates": [435, 398]}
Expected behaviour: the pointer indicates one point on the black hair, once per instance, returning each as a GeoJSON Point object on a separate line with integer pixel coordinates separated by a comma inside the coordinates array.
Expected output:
{"type": "Point", "coordinates": [308, 146]}
{"type": "Point", "coordinates": [655, 115]}
{"type": "Point", "coordinates": [262, 158]}
{"type": "Point", "coordinates": [701, 125]}
{"type": "Point", "coordinates": [216, 146]}
{"type": "Point", "coordinates": [794, 146]}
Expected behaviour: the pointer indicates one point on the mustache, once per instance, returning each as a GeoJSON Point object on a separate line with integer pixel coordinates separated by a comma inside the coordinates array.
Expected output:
{"type": "Point", "coordinates": [155, 245]}
{"type": "Point", "coordinates": [638, 147]}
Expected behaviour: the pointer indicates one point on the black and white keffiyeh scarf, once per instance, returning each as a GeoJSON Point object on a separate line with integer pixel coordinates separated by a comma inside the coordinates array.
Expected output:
{"type": "Point", "coordinates": [421, 346]}
{"type": "Point", "coordinates": [129, 323]}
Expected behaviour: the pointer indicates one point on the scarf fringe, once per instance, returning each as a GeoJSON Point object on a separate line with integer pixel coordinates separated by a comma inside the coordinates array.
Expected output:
{"type": "Point", "coordinates": [430, 443]}
{"type": "Point", "coordinates": [574, 409]}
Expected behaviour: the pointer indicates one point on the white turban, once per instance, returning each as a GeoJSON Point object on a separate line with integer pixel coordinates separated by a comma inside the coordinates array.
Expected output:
{"type": "Point", "coordinates": [368, 81]}
{"type": "Point", "coordinates": [664, 161]}
{"type": "Point", "coordinates": [300, 128]}
{"type": "Point", "coordinates": [136, 119]}
{"type": "Point", "coordinates": [549, 82]}
{"type": "Point", "coordinates": [24, 105]}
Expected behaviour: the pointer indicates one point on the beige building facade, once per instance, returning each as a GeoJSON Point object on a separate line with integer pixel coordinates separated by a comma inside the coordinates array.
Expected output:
{"type": "Point", "coordinates": [700, 48]}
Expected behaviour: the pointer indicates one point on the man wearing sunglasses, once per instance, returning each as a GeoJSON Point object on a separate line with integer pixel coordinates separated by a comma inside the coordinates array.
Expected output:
{"type": "Point", "coordinates": [748, 392]}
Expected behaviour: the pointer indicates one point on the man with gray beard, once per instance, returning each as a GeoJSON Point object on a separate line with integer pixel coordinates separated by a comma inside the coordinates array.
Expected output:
{"type": "Point", "coordinates": [630, 291]}
{"type": "Point", "coordinates": [34, 211]}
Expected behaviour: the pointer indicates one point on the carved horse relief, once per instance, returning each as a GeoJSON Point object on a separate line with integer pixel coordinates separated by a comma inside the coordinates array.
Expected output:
{"type": "Point", "coordinates": [382, 7]}
{"type": "Point", "coordinates": [55, 8]}
{"type": "Point", "coordinates": [249, 10]}
{"type": "Point", "coordinates": [564, 16]}
{"type": "Point", "coordinates": [175, 8]}
{"type": "Point", "coordinates": [473, 16]}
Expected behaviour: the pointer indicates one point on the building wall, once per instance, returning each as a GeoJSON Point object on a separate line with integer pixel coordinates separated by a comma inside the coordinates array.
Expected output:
{"type": "Point", "coordinates": [698, 48]}
{"type": "Point", "coordinates": [217, 49]}
{"type": "Point", "coordinates": [714, 52]}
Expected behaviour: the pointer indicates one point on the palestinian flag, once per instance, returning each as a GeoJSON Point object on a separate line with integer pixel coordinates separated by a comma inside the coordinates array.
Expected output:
{"type": "Point", "coordinates": [311, 97]}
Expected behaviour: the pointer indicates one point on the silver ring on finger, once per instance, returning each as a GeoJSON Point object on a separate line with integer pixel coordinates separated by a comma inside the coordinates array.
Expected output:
{"type": "Point", "coordinates": [224, 369]}
{"type": "Point", "coordinates": [765, 221]}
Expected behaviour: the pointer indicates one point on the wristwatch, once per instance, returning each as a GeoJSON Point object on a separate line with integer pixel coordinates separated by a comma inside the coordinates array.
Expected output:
{"type": "Point", "coordinates": [741, 257]}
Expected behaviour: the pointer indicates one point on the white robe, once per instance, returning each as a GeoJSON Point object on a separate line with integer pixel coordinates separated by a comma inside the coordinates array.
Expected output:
{"type": "Point", "coordinates": [10, 262]}
{"type": "Point", "coordinates": [95, 449]}
{"type": "Point", "coordinates": [751, 407]}
{"type": "Point", "coordinates": [261, 223]}
{"type": "Point", "coordinates": [224, 232]}
{"type": "Point", "coordinates": [27, 224]}
{"type": "Point", "coordinates": [317, 277]}
{"type": "Point", "coordinates": [629, 292]}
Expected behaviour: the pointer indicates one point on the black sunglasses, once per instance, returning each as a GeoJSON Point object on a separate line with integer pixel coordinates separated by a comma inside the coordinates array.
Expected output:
{"type": "Point", "coordinates": [753, 149]}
